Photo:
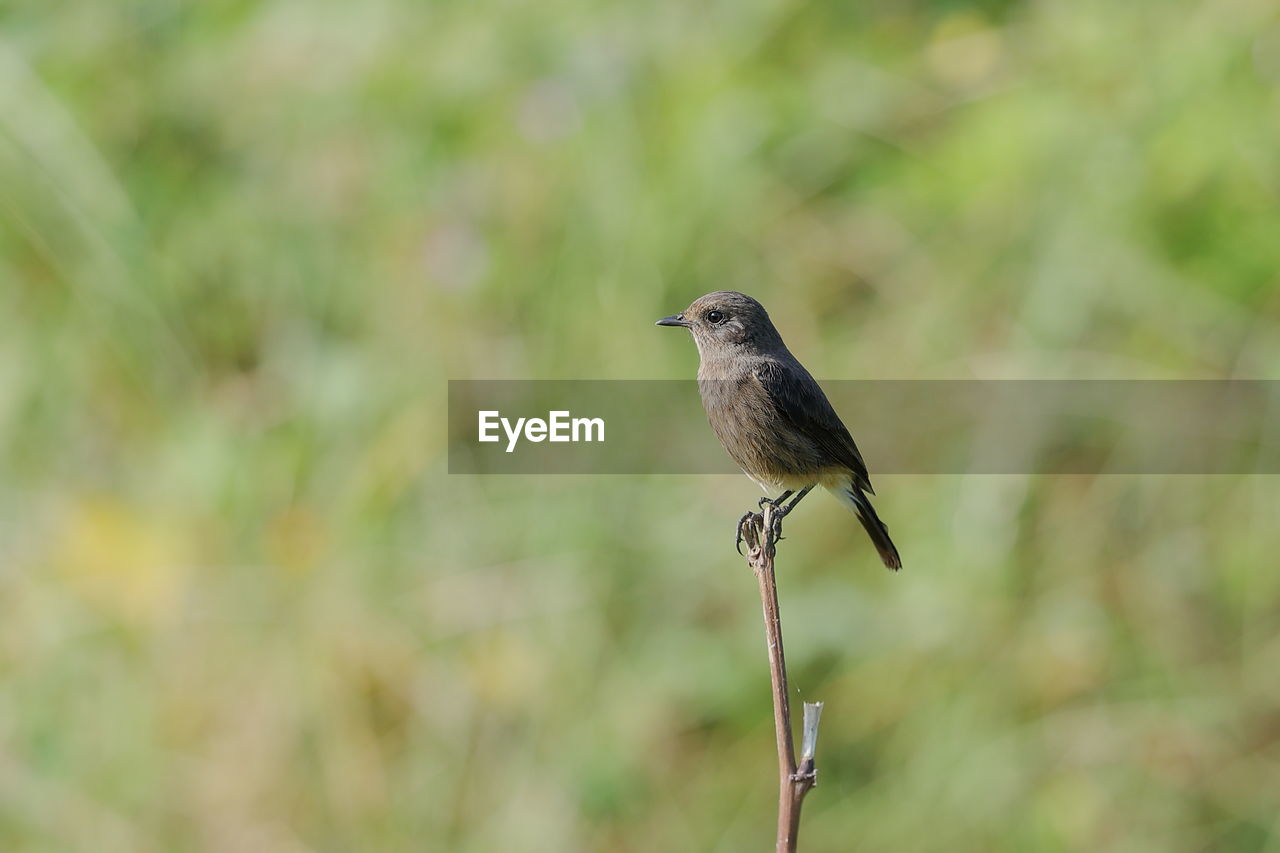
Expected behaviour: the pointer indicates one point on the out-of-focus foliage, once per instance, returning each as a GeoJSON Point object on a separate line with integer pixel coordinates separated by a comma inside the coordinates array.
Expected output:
{"type": "Point", "coordinates": [243, 244]}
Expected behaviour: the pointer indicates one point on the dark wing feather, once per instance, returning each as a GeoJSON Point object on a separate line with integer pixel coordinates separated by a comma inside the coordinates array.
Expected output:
{"type": "Point", "coordinates": [798, 398]}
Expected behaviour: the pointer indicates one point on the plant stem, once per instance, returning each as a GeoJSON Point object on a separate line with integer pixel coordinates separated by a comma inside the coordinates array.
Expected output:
{"type": "Point", "coordinates": [760, 531]}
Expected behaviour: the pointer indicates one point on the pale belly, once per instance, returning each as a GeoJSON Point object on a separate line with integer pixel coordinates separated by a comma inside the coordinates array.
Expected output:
{"type": "Point", "coordinates": [775, 482]}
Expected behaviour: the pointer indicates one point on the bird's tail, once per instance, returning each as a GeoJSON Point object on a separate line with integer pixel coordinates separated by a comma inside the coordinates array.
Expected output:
{"type": "Point", "coordinates": [857, 500]}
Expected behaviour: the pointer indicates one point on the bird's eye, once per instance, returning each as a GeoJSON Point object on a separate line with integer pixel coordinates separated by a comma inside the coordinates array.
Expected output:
{"type": "Point", "coordinates": [715, 317]}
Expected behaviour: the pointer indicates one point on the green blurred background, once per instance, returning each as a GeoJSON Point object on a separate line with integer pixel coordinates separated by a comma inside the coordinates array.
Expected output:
{"type": "Point", "coordinates": [243, 607]}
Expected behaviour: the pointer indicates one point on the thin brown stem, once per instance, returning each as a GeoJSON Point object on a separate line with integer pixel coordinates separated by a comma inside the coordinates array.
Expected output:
{"type": "Point", "coordinates": [761, 532]}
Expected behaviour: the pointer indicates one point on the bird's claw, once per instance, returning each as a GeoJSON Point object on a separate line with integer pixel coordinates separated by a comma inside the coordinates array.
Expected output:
{"type": "Point", "coordinates": [737, 542]}
{"type": "Point", "coordinates": [737, 539]}
{"type": "Point", "coordinates": [757, 518]}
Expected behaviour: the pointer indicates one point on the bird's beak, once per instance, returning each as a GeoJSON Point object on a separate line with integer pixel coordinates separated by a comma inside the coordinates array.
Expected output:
{"type": "Point", "coordinates": [673, 320]}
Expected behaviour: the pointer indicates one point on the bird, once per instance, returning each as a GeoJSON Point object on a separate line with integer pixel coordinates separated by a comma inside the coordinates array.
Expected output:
{"type": "Point", "coordinates": [770, 414]}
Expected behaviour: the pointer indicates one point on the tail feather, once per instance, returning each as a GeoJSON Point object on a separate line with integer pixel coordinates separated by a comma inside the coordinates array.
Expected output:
{"type": "Point", "coordinates": [857, 500]}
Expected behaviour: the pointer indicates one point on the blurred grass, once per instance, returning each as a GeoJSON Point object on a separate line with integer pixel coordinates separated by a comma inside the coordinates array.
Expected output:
{"type": "Point", "coordinates": [243, 244]}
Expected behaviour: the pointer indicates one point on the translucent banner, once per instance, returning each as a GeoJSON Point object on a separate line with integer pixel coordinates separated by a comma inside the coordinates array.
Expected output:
{"type": "Point", "coordinates": [901, 426]}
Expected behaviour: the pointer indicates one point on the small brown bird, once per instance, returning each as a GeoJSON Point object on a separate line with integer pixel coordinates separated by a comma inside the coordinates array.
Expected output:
{"type": "Point", "coordinates": [771, 415]}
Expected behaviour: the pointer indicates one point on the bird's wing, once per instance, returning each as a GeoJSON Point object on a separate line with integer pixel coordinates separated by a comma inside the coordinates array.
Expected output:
{"type": "Point", "coordinates": [798, 398]}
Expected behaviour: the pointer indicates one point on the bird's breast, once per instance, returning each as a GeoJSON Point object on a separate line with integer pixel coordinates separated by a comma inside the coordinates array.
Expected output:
{"type": "Point", "coordinates": [765, 444]}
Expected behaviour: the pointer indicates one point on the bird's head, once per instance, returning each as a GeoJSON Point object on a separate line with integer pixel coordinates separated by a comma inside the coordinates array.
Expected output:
{"type": "Point", "coordinates": [726, 321]}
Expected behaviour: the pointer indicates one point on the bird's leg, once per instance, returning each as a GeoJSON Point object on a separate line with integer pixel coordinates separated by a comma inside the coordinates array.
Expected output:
{"type": "Point", "coordinates": [799, 497]}
{"type": "Point", "coordinates": [775, 501]}
{"type": "Point", "coordinates": [780, 512]}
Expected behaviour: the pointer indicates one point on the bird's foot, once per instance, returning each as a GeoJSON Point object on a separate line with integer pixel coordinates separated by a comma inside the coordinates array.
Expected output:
{"type": "Point", "coordinates": [775, 525]}
{"type": "Point", "coordinates": [748, 517]}
{"type": "Point", "coordinates": [777, 509]}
